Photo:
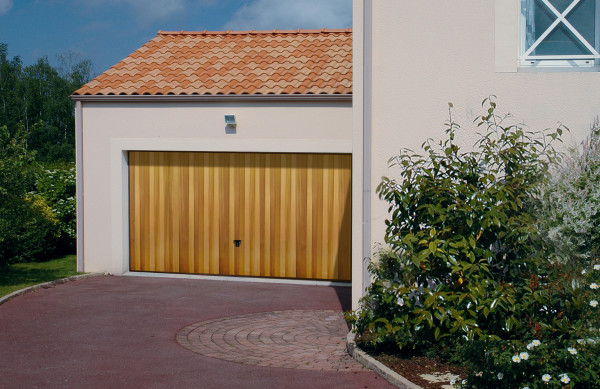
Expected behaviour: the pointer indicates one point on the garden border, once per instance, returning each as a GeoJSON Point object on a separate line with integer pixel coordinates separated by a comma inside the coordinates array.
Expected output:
{"type": "Point", "coordinates": [48, 284]}
{"type": "Point", "coordinates": [372, 364]}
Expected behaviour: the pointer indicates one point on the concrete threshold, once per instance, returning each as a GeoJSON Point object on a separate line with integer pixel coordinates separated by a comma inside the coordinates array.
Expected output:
{"type": "Point", "coordinates": [237, 279]}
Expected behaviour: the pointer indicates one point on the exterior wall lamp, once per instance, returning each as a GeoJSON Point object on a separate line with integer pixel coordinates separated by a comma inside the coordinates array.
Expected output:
{"type": "Point", "coordinates": [230, 121]}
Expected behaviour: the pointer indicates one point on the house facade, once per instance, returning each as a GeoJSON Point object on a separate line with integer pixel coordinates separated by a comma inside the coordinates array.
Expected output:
{"type": "Point", "coordinates": [258, 153]}
{"type": "Point", "coordinates": [412, 58]}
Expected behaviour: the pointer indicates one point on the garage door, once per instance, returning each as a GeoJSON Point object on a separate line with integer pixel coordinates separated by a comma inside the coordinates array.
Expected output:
{"type": "Point", "coordinates": [242, 214]}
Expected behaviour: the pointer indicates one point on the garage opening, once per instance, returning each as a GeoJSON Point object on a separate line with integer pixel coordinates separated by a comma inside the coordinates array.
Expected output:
{"type": "Point", "coordinates": [241, 214]}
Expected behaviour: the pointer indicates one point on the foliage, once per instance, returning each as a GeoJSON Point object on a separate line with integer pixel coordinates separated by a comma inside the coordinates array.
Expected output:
{"type": "Point", "coordinates": [37, 97]}
{"type": "Point", "coordinates": [37, 208]}
{"type": "Point", "coordinates": [33, 224]}
{"type": "Point", "coordinates": [575, 354]}
{"type": "Point", "coordinates": [56, 184]}
{"type": "Point", "coordinates": [28, 229]}
{"type": "Point", "coordinates": [466, 263]}
{"type": "Point", "coordinates": [572, 203]}
{"type": "Point", "coordinates": [21, 275]}
{"type": "Point", "coordinates": [17, 164]}
{"type": "Point", "coordinates": [23, 220]}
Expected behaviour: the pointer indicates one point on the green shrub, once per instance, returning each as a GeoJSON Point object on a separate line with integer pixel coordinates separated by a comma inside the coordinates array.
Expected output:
{"type": "Point", "coordinates": [568, 353]}
{"type": "Point", "coordinates": [56, 184]}
{"type": "Point", "coordinates": [28, 229]}
{"type": "Point", "coordinates": [467, 272]}
{"type": "Point", "coordinates": [572, 203]}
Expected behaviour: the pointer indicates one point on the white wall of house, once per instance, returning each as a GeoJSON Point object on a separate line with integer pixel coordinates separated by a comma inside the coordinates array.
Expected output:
{"type": "Point", "coordinates": [427, 53]}
{"type": "Point", "coordinates": [110, 129]}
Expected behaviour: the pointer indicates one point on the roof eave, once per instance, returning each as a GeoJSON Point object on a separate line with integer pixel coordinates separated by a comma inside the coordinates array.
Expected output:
{"type": "Point", "coordinates": [211, 98]}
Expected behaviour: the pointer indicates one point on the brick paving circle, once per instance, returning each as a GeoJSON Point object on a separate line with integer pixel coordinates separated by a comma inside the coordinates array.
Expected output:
{"type": "Point", "coordinates": [313, 340]}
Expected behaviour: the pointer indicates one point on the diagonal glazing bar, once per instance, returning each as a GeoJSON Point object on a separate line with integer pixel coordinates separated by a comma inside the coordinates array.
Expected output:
{"type": "Point", "coordinates": [560, 17]}
{"type": "Point", "coordinates": [570, 26]}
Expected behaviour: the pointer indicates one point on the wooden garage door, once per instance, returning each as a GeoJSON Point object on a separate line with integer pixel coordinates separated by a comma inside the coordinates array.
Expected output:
{"type": "Point", "coordinates": [289, 212]}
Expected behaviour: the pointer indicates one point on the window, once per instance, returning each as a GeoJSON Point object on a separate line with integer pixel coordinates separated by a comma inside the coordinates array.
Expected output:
{"type": "Point", "coordinates": [560, 33]}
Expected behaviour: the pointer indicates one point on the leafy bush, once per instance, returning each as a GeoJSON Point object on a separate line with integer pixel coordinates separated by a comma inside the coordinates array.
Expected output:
{"type": "Point", "coordinates": [28, 229]}
{"type": "Point", "coordinates": [568, 346]}
{"type": "Point", "coordinates": [56, 184]}
{"type": "Point", "coordinates": [467, 272]}
{"type": "Point", "coordinates": [27, 225]}
{"type": "Point", "coordinates": [572, 203]}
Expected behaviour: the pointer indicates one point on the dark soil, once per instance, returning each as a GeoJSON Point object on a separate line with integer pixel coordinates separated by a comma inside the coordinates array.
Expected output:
{"type": "Point", "coordinates": [412, 367]}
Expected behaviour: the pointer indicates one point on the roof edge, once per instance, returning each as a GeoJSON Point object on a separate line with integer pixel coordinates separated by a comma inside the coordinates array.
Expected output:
{"type": "Point", "coordinates": [211, 98]}
{"type": "Point", "coordinates": [274, 31]}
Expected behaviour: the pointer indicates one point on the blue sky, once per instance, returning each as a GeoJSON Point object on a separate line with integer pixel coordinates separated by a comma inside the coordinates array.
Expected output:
{"type": "Point", "coordinates": [106, 31]}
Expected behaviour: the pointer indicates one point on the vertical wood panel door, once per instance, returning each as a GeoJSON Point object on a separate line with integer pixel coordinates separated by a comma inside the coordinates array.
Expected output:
{"type": "Point", "coordinates": [241, 214]}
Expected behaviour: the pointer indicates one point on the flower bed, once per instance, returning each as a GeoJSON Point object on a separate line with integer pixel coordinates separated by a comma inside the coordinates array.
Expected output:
{"type": "Point", "coordinates": [467, 273]}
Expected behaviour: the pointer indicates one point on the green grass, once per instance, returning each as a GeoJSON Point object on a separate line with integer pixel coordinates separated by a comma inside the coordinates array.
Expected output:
{"type": "Point", "coordinates": [21, 275]}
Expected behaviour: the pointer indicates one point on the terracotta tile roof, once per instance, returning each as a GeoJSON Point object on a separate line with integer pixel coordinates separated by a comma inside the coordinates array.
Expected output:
{"type": "Point", "coordinates": [239, 62]}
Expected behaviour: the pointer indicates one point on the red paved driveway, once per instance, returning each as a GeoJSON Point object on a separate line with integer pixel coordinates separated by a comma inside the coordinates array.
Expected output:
{"type": "Point", "coordinates": [119, 332]}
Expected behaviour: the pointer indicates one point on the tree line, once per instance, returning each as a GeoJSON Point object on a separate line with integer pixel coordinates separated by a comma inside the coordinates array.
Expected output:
{"type": "Point", "coordinates": [35, 99]}
{"type": "Point", "coordinates": [37, 153]}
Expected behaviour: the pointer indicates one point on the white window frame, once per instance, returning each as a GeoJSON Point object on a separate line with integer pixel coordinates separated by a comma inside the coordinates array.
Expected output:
{"type": "Point", "coordinates": [559, 61]}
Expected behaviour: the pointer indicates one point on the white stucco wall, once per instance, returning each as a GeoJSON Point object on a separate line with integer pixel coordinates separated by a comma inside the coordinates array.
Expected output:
{"type": "Point", "coordinates": [427, 53]}
{"type": "Point", "coordinates": [110, 129]}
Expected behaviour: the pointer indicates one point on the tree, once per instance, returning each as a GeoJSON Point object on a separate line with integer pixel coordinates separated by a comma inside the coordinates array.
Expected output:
{"type": "Point", "coordinates": [27, 224]}
{"type": "Point", "coordinates": [37, 96]}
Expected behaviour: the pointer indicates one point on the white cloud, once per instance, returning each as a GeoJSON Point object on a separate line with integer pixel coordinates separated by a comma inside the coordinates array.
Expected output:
{"type": "Point", "coordinates": [152, 10]}
{"type": "Point", "coordinates": [5, 6]}
{"type": "Point", "coordinates": [291, 14]}
{"type": "Point", "coordinates": [144, 11]}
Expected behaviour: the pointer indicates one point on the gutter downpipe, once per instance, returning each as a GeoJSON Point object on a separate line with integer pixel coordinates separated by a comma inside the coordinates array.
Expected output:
{"type": "Point", "coordinates": [367, 107]}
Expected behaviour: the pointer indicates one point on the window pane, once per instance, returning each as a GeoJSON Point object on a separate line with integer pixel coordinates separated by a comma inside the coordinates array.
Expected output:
{"type": "Point", "coordinates": [561, 41]}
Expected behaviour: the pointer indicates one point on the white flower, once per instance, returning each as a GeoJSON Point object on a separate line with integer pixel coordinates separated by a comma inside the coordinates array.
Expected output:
{"type": "Point", "coordinates": [572, 350]}
{"type": "Point", "coordinates": [400, 301]}
{"type": "Point", "coordinates": [525, 387]}
{"type": "Point", "coordinates": [594, 303]}
{"type": "Point", "coordinates": [594, 285]}
{"type": "Point", "coordinates": [536, 342]}
{"type": "Point", "coordinates": [565, 379]}
{"type": "Point", "coordinates": [524, 356]}
{"type": "Point", "coordinates": [500, 376]}
{"type": "Point", "coordinates": [546, 377]}
{"type": "Point", "coordinates": [516, 358]}
{"type": "Point", "coordinates": [583, 272]}
{"type": "Point", "coordinates": [596, 267]}
{"type": "Point", "coordinates": [580, 341]}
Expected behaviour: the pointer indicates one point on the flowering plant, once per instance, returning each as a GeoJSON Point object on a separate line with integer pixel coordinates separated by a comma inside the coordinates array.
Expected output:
{"type": "Point", "coordinates": [571, 210]}
{"type": "Point", "coordinates": [468, 274]}
{"type": "Point", "coordinates": [566, 355]}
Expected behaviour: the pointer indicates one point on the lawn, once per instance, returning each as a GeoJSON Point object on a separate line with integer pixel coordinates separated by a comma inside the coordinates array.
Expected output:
{"type": "Point", "coordinates": [21, 275]}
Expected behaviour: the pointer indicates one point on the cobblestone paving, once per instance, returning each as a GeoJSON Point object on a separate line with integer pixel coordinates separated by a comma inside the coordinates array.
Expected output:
{"type": "Point", "coordinates": [314, 340]}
